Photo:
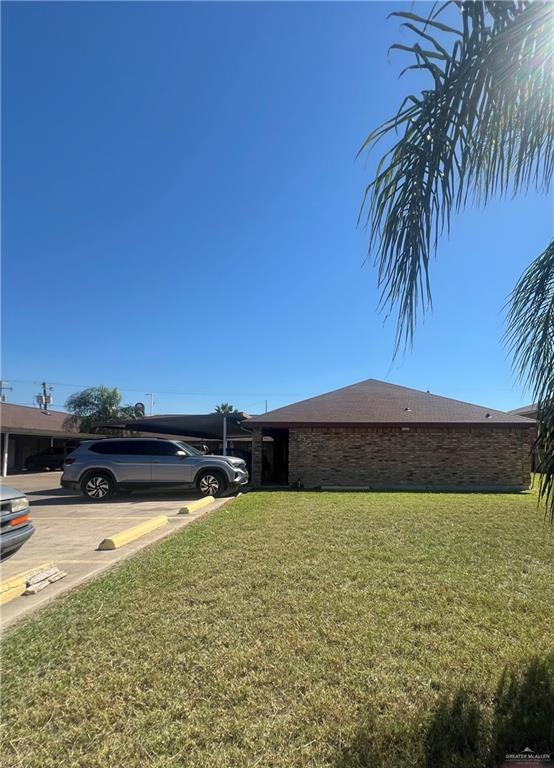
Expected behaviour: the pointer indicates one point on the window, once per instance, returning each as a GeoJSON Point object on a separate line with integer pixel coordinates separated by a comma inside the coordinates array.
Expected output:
{"type": "Point", "coordinates": [113, 447]}
{"type": "Point", "coordinates": [136, 447]}
{"type": "Point", "coordinates": [190, 449]}
{"type": "Point", "coordinates": [159, 448]}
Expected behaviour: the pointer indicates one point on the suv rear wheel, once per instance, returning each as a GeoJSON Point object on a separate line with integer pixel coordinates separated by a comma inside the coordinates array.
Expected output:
{"type": "Point", "coordinates": [211, 483]}
{"type": "Point", "coordinates": [98, 486]}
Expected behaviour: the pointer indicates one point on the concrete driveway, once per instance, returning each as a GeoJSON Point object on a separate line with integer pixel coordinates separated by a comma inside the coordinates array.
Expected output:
{"type": "Point", "coordinates": [69, 528]}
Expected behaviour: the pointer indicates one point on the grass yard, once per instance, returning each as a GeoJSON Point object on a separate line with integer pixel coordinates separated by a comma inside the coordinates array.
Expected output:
{"type": "Point", "coordinates": [300, 629]}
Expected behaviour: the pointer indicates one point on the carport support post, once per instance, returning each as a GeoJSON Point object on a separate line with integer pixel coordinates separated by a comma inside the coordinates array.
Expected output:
{"type": "Point", "coordinates": [225, 435]}
{"type": "Point", "coordinates": [257, 460]}
{"type": "Point", "coordinates": [5, 445]}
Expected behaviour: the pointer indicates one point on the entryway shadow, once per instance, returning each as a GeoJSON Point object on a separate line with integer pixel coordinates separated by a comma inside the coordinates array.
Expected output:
{"type": "Point", "coordinates": [463, 732]}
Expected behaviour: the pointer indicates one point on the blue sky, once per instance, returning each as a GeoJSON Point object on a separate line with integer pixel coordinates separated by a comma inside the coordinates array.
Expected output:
{"type": "Point", "coordinates": [180, 195]}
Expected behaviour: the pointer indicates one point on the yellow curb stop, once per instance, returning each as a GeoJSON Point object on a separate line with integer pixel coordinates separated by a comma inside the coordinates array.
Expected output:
{"type": "Point", "coordinates": [130, 534]}
{"type": "Point", "coordinates": [195, 505]}
{"type": "Point", "coordinates": [16, 585]}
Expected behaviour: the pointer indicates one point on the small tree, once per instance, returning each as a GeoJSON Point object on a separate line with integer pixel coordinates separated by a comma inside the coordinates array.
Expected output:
{"type": "Point", "coordinates": [98, 405]}
{"type": "Point", "coordinates": [225, 408]}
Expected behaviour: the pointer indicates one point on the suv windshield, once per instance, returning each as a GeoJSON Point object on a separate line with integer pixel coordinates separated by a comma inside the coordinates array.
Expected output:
{"type": "Point", "coordinates": [189, 449]}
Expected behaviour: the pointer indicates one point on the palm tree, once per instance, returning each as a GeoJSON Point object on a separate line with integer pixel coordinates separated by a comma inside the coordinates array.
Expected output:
{"type": "Point", "coordinates": [96, 406]}
{"type": "Point", "coordinates": [484, 127]}
{"type": "Point", "coordinates": [225, 408]}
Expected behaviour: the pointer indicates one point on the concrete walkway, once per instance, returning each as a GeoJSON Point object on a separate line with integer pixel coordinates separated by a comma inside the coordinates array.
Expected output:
{"type": "Point", "coordinates": [68, 530]}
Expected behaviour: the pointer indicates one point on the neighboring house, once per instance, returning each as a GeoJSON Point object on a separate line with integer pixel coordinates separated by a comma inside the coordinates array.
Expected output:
{"type": "Point", "coordinates": [529, 411]}
{"type": "Point", "coordinates": [379, 435]}
{"type": "Point", "coordinates": [26, 430]}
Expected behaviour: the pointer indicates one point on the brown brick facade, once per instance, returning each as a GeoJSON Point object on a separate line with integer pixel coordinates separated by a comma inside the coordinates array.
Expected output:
{"type": "Point", "coordinates": [457, 457]}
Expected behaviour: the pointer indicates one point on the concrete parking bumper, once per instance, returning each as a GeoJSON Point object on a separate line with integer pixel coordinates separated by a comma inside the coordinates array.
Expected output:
{"type": "Point", "coordinates": [68, 530]}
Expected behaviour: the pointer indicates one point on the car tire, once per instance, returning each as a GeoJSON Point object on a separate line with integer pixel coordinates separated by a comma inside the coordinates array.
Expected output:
{"type": "Point", "coordinates": [98, 486]}
{"type": "Point", "coordinates": [30, 467]}
{"type": "Point", "coordinates": [211, 483]}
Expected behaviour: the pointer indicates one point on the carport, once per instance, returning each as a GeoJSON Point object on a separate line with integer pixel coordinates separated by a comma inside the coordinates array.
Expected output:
{"type": "Point", "coordinates": [213, 427]}
{"type": "Point", "coordinates": [26, 430]}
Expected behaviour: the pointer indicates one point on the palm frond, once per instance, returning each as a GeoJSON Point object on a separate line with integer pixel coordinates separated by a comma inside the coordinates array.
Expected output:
{"type": "Point", "coordinates": [484, 127]}
{"type": "Point", "coordinates": [531, 338]}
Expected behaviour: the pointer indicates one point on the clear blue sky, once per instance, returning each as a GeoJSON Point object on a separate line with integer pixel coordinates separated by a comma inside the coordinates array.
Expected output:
{"type": "Point", "coordinates": [180, 195]}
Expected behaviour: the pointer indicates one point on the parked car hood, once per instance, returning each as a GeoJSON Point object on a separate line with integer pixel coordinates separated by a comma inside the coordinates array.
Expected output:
{"type": "Point", "coordinates": [232, 460]}
{"type": "Point", "coordinates": [7, 493]}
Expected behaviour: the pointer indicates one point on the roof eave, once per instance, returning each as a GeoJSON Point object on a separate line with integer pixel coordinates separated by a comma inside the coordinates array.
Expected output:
{"type": "Point", "coordinates": [523, 422]}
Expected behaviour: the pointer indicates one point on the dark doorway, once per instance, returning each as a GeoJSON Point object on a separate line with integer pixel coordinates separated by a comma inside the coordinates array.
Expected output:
{"type": "Point", "coordinates": [275, 457]}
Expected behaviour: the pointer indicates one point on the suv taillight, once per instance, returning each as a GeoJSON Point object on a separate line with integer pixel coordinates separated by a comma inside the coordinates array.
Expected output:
{"type": "Point", "coordinates": [69, 461]}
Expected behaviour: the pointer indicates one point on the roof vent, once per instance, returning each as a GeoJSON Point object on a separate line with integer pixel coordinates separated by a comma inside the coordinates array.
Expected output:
{"type": "Point", "coordinates": [408, 409]}
{"type": "Point", "coordinates": [488, 416]}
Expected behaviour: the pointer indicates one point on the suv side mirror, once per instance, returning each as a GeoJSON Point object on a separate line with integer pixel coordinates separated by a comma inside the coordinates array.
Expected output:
{"type": "Point", "coordinates": [181, 453]}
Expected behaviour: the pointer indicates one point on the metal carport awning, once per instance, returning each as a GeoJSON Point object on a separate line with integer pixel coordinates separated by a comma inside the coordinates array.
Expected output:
{"type": "Point", "coordinates": [209, 426]}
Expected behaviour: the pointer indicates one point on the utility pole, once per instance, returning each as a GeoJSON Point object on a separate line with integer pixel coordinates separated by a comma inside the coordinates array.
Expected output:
{"type": "Point", "coordinates": [151, 396]}
{"type": "Point", "coordinates": [44, 398]}
{"type": "Point", "coordinates": [4, 388]}
{"type": "Point", "coordinates": [225, 434]}
{"type": "Point", "coordinates": [266, 406]}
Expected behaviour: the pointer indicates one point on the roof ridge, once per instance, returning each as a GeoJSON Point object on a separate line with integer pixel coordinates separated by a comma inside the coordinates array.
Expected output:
{"type": "Point", "coordinates": [388, 384]}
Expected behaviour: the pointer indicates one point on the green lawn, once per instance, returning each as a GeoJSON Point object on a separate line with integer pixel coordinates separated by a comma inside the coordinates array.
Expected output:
{"type": "Point", "coordinates": [299, 629]}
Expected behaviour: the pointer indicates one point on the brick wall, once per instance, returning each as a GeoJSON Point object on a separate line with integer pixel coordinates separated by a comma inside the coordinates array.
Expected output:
{"type": "Point", "coordinates": [423, 457]}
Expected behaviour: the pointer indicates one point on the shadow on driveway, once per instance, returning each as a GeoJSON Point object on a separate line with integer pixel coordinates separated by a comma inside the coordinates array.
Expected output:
{"type": "Point", "coordinates": [61, 496]}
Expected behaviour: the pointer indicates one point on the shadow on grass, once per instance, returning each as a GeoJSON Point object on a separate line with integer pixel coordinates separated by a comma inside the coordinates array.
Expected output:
{"type": "Point", "coordinates": [463, 732]}
{"type": "Point", "coordinates": [457, 734]}
{"type": "Point", "coordinates": [524, 710]}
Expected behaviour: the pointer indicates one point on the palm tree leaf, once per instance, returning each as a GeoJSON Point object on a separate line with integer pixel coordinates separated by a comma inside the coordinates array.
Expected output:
{"type": "Point", "coordinates": [428, 22]}
{"type": "Point", "coordinates": [484, 127]}
{"type": "Point", "coordinates": [530, 336]}
{"type": "Point", "coordinates": [471, 135]}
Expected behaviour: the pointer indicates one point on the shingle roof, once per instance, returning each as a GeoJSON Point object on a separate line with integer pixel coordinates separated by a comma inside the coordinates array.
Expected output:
{"type": "Point", "coordinates": [22, 419]}
{"type": "Point", "coordinates": [378, 402]}
{"type": "Point", "coordinates": [529, 411]}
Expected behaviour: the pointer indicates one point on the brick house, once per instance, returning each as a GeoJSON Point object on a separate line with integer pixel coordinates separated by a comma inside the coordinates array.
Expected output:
{"type": "Point", "coordinates": [379, 435]}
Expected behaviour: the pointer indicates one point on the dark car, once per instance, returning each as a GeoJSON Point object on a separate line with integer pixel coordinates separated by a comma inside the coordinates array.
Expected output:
{"type": "Point", "coordinates": [15, 527]}
{"type": "Point", "coordinates": [51, 458]}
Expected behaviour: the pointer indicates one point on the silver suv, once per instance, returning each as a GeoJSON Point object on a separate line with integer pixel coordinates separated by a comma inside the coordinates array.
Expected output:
{"type": "Point", "coordinates": [100, 468]}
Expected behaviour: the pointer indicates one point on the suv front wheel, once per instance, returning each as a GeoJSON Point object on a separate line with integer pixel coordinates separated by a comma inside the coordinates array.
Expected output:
{"type": "Point", "coordinates": [211, 483]}
{"type": "Point", "coordinates": [98, 486]}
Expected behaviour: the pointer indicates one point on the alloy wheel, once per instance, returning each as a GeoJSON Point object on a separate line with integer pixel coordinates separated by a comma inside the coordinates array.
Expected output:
{"type": "Point", "coordinates": [97, 487]}
{"type": "Point", "coordinates": [209, 485]}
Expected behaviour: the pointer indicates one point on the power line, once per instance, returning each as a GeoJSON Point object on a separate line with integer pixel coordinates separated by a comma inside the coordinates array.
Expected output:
{"type": "Point", "coordinates": [221, 393]}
